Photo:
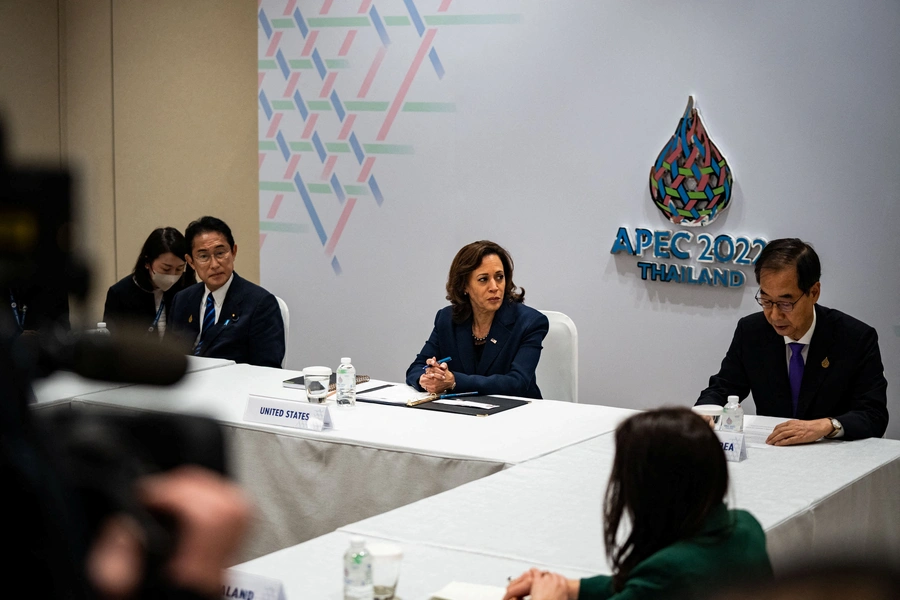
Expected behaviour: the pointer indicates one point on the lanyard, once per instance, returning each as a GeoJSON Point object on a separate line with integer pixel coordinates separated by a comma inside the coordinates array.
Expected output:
{"type": "Point", "coordinates": [162, 304]}
{"type": "Point", "coordinates": [18, 314]}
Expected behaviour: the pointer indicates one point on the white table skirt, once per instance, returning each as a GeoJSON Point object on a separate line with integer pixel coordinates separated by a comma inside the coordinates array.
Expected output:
{"type": "Point", "coordinates": [376, 458]}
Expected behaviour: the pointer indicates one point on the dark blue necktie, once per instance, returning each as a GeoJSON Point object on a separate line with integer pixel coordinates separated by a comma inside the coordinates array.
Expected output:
{"type": "Point", "coordinates": [795, 373]}
{"type": "Point", "coordinates": [209, 319]}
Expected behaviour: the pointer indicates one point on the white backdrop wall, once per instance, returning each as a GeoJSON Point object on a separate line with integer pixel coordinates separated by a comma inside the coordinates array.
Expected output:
{"type": "Point", "coordinates": [540, 135]}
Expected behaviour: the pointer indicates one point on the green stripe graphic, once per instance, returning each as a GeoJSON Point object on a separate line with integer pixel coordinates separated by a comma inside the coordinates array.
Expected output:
{"type": "Point", "coordinates": [300, 146]}
{"type": "Point", "coordinates": [472, 19]}
{"type": "Point", "coordinates": [337, 146]}
{"type": "Point", "coordinates": [394, 21]}
{"type": "Point", "coordinates": [319, 188]}
{"type": "Point", "coordinates": [319, 105]}
{"type": "Point", "coordinates": [364, 105]}
{"type": "Point", "coordinates": [266, 64]}
{"type": "Point", "coordinates": [356, 190]}
{"type": "Point", "coordinates": [283, 227]}
{"type": "Point", "coordinates": [388, 149]}
{"type": "Point", "coordinates": [268, 145]}
{"type": "Point", "coordinates": [445, 107]}
{"type": "Point", "coordinates": [300, 63]}
{"type": "Point", "coordinates": [276, 186]}
{"type": "Point", "coordinates": [283, 104]}
{"type": "Point", "coordinates": [337, 63]}
{"type": "Point", "coordinates": [337, 21]}
{"type": "Point", "coordinates": [282, 23]}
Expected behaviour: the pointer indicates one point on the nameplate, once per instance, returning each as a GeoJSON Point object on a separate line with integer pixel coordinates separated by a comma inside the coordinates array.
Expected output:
{"type": "Point", "coordinates": [287, 413]}
{"type": "Point", "coordinates": [733, 445]}
{"type": "Point", "coordinates": [247, 586]}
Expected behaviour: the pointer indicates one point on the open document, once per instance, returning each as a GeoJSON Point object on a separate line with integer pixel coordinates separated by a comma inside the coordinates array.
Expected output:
{"type": "Point", "coordinates": [757, 428]}
{"type": "Point", "coordinates": [390, 393]}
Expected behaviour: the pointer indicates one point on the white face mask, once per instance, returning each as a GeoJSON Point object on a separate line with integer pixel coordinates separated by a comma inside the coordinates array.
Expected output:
{"type": "Point", "coordinates": [163, 282]}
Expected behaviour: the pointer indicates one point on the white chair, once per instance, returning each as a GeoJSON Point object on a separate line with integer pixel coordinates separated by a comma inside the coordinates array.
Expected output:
{"type": "Point", "coordinates": [286, 317]}
{"type": "Point", "coordinates": [557, 371]}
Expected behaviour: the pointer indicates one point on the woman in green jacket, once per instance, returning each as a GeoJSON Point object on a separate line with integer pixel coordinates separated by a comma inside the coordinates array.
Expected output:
{"type": "Point", "coordinates": [668, 481]}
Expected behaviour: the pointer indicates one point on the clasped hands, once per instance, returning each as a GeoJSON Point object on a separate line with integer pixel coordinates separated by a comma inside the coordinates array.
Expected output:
{"type": "Point", "coordinates": [542, 585]}
{"type": "Point", "coordinates": [437, 378]}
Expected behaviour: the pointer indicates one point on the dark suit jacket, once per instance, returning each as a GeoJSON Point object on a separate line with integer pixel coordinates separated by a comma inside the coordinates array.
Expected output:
{"type": "Point", "coordinates": [249, 330]}
{"type": "Point", "coordinates": [731, 547]}
{"type": "Point", "coordinates": [129, 305]}
{"type": "Point", "coordinates": [843, 377]}
{"type": "Point", "coordinates": [507, 365]}
{"type": "Point", "coordinates": [45, 305]}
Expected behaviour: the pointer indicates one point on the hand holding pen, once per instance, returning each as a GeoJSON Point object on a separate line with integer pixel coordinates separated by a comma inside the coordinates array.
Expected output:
{"type": "Point", "coordinates": [438, 377]}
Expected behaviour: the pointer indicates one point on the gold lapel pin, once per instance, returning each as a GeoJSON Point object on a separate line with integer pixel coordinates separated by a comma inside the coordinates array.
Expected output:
{"type": "Point", "coordinates": [825, 363]}
{"type": "Point", "coordinates": [493, 341]}
{"type": "Point", "coordinates": [191, 319]}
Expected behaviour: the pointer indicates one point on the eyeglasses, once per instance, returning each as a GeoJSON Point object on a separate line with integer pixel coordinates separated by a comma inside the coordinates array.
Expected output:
{"type": "Point", "coordinates": [220, 255]}
{"type": "Point", "coordinates": [784, 307]}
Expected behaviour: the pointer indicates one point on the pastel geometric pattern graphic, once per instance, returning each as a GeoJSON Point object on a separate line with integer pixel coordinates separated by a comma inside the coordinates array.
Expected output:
{"type": "Point", "coordinates": [691, 182]}
{"type": "Point", "coordinates": [320, 131]}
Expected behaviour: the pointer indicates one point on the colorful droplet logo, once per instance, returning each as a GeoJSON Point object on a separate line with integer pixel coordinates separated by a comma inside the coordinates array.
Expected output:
{"type": "Point", "coordinates": [690, 182]}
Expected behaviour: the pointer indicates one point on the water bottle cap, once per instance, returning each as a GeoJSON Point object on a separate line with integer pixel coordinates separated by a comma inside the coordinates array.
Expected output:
{"type": "Point", "coordinates": [734, 400]}
{"type": "Point", "coordinates": [101, 325]}
{"type": "Point", "coordinates": [357, 542]}
{"type": "Point", "coordinates": [345, 361]}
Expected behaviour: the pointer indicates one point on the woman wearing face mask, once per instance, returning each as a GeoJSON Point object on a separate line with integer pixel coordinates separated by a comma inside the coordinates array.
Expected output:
{"type": "Point", "coordinates": [139, 301]}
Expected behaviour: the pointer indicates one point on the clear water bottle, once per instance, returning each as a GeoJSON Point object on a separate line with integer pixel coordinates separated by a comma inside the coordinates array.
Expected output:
{"type": "Point", "coordinates": [100, 330]}
{"type": "Point", "coordinates": [346, 384]}
{"type": "Point", "coordinates": [733, 415]}
{"type": "Point", "coordinates": [358, 582]}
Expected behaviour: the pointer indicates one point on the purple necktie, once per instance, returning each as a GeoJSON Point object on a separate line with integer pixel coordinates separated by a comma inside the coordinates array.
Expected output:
{"type": "Point", "coordinates": [795, 373]}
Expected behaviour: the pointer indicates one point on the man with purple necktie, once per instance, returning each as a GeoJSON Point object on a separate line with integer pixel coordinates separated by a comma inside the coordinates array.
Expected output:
{"type": "Point", "coordinates": [815, 365]}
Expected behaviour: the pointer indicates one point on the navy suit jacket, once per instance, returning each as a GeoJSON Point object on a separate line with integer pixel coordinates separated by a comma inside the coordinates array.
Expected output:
{"type": "Point", "coordinates": [510, 356]}
{"type": "Point", "coordinates": [843, 377]}
{"type": "Point", "coordinates": [249, 330]}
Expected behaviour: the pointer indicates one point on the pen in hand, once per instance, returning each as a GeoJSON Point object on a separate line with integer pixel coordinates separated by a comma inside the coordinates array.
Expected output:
{"type": "Point", "coordinates": [458, 395]}
{"type": "Point", "coordinates": [443, 360]}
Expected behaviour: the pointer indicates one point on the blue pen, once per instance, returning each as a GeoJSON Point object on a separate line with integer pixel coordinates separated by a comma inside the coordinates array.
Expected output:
{"type": "Point", "coordinates": [458, 395]}
{"type": "Point", "coordinates": [443, 360]}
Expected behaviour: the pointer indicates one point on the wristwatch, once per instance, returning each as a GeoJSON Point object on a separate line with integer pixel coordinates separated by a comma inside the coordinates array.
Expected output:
{"type": "Point", "coordinates": [838, 428]}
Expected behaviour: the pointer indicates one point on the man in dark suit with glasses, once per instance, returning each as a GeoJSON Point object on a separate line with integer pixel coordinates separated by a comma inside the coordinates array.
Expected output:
{"type": "Point", "coordinates": [815, 365]}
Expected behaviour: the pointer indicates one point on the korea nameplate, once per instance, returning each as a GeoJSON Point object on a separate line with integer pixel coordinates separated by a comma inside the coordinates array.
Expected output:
{"type": "Point", "coordinates": [733, 445]}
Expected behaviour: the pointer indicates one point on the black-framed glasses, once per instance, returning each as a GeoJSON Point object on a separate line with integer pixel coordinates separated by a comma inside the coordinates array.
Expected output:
{"type": "Point", "coordinates": [783, 306]}
{"type": "Point", "coordinates": [219, 255]}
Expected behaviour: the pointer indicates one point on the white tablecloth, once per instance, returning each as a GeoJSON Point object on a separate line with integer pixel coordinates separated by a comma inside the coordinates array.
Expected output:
{"type": "Point", "coordinates": [813, 498]}
{"type": "Point", "coordinates": [376, 458]}
{"type": "Point", "coordinates": [314, 569]}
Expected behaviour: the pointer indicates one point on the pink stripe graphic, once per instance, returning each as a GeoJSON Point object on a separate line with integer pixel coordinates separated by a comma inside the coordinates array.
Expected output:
{"type": "Point", "coordinates": [326, 7]}
{"type": "Point", "coordinates": [329, 83]}
{"type": "Point", "coordinates": [262, 236]}
{"type": "Point", "coordinates": [273, 210]}
{"type": "Point", "coordinates": [310, 42]}
{"type": "Point", "coordinates": [273, 126]}
{"type": "Point", "coordinates": [345, 130]}
{"type": "Point", "coordinates": [310, 125]}
{"type": "Point", "coordinates": [404, 87]}
{"type": "Point", "coordinates": [345, 47]}
{"type": "Point", "coordinates": [329, 167]}
{"type": "Point", "coordinates": [262, 157]}
{"type": "Point", "coordinates": [259, 83]}
{"type": "Point", "coordinates": [367, 166]}
{"type": "Point", "coordinates": [444, 6]}
{"type": "Point", "coordinates": [292, 84]}
{"type": "Point", "coordinates": [364, 7]}
{"type": "Point", "coordinates": [273, 45]}
{"type": "Point", "coordinates": [292, 166]}
{"type": "Point", "coordinates": [339, 228]}
{"type": "Point", "coordinates": [373, 70]}
{"type": "Point", "coordinates": [290, 7]}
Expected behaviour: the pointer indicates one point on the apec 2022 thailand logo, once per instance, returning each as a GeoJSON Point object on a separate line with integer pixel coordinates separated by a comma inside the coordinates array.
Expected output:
{"type": "Point", "coordinates": [691, 185]}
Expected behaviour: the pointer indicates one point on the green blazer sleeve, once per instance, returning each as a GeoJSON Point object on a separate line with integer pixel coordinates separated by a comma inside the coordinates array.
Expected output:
{"type": "Point", "coordinates": [730, 542]}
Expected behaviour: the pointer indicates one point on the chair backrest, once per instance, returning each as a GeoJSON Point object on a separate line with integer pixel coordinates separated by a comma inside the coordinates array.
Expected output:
{"type": "Point", "coordinates": [286, 317]}
{"type": "Point", "coordinates": [557, 371]}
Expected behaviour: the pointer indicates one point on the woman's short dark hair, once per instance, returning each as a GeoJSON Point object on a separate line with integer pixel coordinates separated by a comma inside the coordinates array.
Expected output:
{"type": "Point", "coordinates": [791, 252]}
{"type": "Point", "coordinates": [668, 475]}
{"type": "Point", "coordinates": [207, 225]}
{"type": "Point", "coordinates": [160, 241]}
{"type": "Point", "coordinates": [467, 260]}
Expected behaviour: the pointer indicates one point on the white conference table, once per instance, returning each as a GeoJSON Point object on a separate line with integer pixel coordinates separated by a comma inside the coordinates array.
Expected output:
{"type": "Point", "coordinates": [817, 498]}
{"type": "Point", "coordinates": [314, 569]}
{"type": "Point", "coordinates": [377, 457]}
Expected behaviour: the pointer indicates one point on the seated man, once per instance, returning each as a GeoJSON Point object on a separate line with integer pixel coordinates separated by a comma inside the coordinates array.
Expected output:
{"type": "Point", "coordinates": [226, 316]}
{"type": "Point", "coordinates": [802, 360]}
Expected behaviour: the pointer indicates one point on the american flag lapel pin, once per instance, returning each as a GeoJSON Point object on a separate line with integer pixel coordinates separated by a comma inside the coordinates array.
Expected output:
{"type": "Point", "coordinates": [493, 341]}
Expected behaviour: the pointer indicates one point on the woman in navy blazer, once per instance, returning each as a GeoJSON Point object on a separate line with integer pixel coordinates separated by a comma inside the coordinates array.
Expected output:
{"type": "Point", "coordinates": [493, 339]}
